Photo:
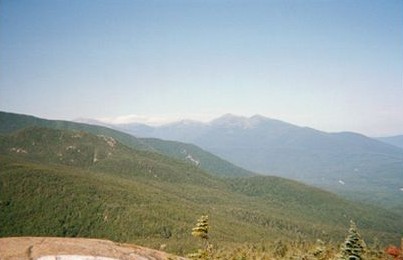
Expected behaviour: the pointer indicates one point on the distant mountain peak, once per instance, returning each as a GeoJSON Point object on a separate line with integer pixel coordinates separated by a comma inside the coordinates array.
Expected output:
{"type": "Point", "coordinates": [256, 119]}
{"type": "Point", "coordinates": [257, 116]}
{"type": "Point", "coordinates": [230, 120]}
{"type": "Point", "coordinates": [229, 117]}
{"type": "Point", "coordinates": [186, 122]}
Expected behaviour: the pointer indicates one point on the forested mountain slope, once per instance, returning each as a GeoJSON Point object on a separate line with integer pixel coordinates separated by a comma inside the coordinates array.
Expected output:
{"type": "Point", "coordinates": [72, 183]}
{"type": "Point", "coordinates": [192, 154]}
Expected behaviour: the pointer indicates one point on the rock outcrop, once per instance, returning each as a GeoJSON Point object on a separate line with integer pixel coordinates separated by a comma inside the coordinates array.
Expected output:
{"type": "Point", "coordinates": [55, 248]}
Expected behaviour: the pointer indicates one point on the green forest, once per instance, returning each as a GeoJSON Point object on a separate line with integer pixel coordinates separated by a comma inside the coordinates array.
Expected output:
{"type": "Point", "coordinates": [73, 183]}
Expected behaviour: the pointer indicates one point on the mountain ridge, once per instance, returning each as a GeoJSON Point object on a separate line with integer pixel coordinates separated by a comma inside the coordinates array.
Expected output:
{"type": "Point", "coordinates": [342, 162]}
{"type": "Point", "coordinates": [396, 140]}
{"type": "Point", "coordinates": [10, 122]}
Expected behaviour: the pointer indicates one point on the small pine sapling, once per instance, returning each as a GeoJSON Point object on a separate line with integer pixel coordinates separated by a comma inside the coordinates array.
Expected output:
{"type": "Point", "coordinates": [201, 231]}
{"type": "Point", "coordinates": [353, 246]}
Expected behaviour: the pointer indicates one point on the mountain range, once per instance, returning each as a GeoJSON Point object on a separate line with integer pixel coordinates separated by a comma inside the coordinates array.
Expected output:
{"type": "Point", "coordinates": [347, 163]}
{"type": "Point", "coordinates": [59, 181]}
{"type": "Point", "coordinates": [396, 140]}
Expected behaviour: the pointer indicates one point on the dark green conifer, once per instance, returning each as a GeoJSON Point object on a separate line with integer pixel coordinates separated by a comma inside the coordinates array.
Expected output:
{"type": "Point", "coordinates": [353, 246]}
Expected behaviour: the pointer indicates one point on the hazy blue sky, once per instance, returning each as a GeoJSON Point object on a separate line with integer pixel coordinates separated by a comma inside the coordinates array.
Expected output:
{"type": "Point", "coordinates": [329, 64]}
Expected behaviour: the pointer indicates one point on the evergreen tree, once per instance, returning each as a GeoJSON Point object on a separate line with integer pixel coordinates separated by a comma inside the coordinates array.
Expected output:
{"type": "Point", "coordinates": [353, 246]}
{"type": "Point", "coordinates": [201, 231]}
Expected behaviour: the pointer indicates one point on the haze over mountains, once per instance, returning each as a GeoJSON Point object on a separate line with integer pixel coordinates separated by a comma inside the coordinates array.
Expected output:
{"type": "Point", "coordinates": [347, 163]}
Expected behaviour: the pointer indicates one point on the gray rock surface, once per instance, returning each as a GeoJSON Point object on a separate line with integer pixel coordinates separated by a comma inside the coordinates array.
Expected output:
{"type": "Point", "coordinates": [55, 248]}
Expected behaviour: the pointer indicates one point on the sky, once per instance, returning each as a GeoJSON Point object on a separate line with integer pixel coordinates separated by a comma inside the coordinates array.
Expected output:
{"type": "Point", "coordinates": [334, 65]}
